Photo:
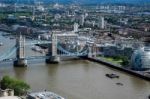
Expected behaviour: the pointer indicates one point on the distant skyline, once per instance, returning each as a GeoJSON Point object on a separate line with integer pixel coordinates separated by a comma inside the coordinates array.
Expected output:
{"type": "Point", "coordinates": [83, 1]}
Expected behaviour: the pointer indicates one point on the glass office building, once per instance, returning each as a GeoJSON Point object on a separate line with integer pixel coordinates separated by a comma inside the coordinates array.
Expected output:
{"type": "Point", "coordinates": [141, 59]}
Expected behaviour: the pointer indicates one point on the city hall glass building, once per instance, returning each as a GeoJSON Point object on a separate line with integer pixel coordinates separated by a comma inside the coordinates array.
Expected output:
{"type": "Point", "coordinates": [141, 59]}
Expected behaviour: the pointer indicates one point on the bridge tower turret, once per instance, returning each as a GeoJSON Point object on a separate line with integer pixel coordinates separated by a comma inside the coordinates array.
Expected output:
{"type": "Point", "coordinates": [20, 52]}
{"type": "Point", "coordinates": [52, 51]}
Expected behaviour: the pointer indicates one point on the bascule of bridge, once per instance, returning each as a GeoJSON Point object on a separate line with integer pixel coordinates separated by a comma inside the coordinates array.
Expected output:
{"type": "Point", "coordinates": [60, 45]}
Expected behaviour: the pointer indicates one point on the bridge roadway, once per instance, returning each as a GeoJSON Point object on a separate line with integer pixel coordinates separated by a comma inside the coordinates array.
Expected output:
{"type": "Point", "coordinates": [37, 42]}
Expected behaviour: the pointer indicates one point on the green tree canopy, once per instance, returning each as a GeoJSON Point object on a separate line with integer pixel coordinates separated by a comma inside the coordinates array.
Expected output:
{"type": "Point", "coordinates": [19, 86]}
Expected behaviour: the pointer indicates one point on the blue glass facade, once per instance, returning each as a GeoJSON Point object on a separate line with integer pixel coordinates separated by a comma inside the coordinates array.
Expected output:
{"type": "Point", "coordinates": [141, 59]}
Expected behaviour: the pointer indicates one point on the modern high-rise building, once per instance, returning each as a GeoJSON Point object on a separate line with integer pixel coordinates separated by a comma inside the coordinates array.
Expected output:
{"type": "Point", "coordinates": [82, 20]}
{"type": "Point", "coordinates": [101, 22]}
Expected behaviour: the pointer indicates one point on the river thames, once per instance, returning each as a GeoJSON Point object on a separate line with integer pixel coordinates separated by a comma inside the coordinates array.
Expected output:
{"type": "Point", "coordinates": [75, 79]}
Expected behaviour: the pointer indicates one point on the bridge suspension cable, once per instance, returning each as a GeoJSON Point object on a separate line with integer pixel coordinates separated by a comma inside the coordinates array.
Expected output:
{"type": "Point", "coordinates": [8, 53]}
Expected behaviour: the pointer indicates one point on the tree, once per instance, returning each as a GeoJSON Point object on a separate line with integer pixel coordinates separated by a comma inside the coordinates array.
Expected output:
{"type": "Point", "coordinates": [19, 86]}
{"type": "Point", "coordinates": [125, 61]}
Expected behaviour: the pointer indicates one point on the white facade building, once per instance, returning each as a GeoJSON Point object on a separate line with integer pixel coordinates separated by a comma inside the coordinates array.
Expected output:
{"type": "Point", "coordinates": [76, 26]}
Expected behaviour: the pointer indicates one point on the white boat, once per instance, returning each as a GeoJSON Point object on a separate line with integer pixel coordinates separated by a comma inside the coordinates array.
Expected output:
{"type": "Point", "coordinates": [44, 95]}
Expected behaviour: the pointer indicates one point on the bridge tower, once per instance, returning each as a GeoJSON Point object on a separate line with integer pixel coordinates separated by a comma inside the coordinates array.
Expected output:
{"type": "Point", "coordinates": [20, 52]}
{"type": "Point", "coordinates": [52, 51]}
{"type": "Point", "coordinates": [92, 50]}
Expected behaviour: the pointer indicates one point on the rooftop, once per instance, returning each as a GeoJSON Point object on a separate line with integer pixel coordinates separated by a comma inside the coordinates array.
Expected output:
{"type": "Point", "coordinates": [45, 95]}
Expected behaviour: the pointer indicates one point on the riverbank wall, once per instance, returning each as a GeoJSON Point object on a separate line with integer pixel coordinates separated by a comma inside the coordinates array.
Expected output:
{"type": "Point", "coordinates": [117, 67]}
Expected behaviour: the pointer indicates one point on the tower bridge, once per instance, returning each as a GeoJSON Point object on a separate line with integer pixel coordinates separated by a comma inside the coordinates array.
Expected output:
{"type": "Point", "coordinates": [59, 45]}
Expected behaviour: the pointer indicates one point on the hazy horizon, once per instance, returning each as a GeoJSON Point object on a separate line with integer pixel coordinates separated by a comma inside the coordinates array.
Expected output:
{"type": "Point", "coordinates": [81, 1]}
